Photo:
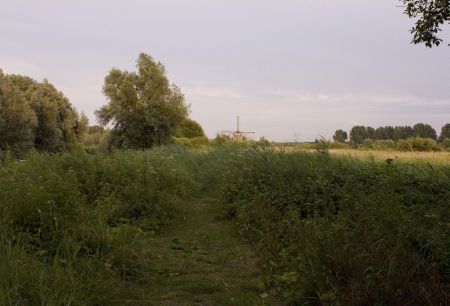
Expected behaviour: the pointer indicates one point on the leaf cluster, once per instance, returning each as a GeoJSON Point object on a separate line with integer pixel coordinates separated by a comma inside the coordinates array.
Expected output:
{"type": "Point", "coordinates": [143, 107]}
{"type": "Point", "coordinates": [37, 115]}
{"type": "Point", "coordinates": [430, 15]}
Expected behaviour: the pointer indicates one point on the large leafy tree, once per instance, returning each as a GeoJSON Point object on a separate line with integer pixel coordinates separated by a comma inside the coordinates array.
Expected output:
{"type": "Point", "coordinates": [18, 122]}
{"type": "Point", "coordinates": [370, 132]}
{"type": "Point", "coordinates": [34, 114]}
{"type": "Point", "coordinates": [358, 134]}
{"type": "Point", "coordinates": [445, 132]}
{"type": "Point", "coordinates": [430, 15]}
{"type": "Point", "coordinates": [424, 131]}
{"type": "Point", "coordinates": [380, 133]}
{"type": "Point", "coordinates": [403, 132]}
{"type": "Point", "coordinates": [143, 107]}
{"type": "Point", "coordinates": [340, 136]}
{"type": "Point", "coordinates": [384, 132]}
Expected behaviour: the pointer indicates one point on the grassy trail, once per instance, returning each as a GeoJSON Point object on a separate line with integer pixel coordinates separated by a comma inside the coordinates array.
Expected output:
{"type": "Point", "coordinates": [201, 260]}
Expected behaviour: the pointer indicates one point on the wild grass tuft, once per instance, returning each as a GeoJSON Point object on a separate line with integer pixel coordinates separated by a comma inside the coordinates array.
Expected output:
{"type": "Point", "coordinates": [340, 230]}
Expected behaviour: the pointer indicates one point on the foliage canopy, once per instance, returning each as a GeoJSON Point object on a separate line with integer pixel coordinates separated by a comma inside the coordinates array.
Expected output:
{"type": "Point", "coordinates": [424, 131]}
{"type": "Point", "coordinates": [34, 114]}
{"type": "Point", "coordinates": [144, 108]}
{"type": "Point", "coordinates": [430, 14]}
{"type": "Point", "coordinates": [445, 132]}
{"type": "Point", "coordinates": [190, 129]}
{"type": "Point", "coordinates": [340, 136]}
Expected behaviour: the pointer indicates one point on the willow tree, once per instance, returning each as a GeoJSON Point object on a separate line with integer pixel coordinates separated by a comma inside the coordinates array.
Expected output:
{"type": "Point", "coordinates": [34, 114]}
{"type": "Point", "coordinates": [18, 121]}
{"type": "Point", "coordinates": [143, 107]}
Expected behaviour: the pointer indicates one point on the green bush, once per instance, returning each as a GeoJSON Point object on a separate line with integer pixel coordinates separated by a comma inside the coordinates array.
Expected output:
{"type": "Point", "coordinates": [307, 146]}
{"type": "Point", "coordinates": [446, 144]}
{"type": "Point", "coordinates": [339, 145]}
{"type": "Point", "coordinates": [418, 144]}
{"type": "Point", "coordinates": [198, 142]}
{"type": "Point", "coordinates": [328, 230]}
{"type": "Point", "coordinates": [73, 225]}
{"type": "Point", "coordinates": [220, 140]}
{"type": "Point", "coordinates": [339, 231]}
{"type": "Point", "coordinates": [368, 143]}
{"type": "Point", "coordinates": [263, 142]}
{"type": "Point", "coordinates": [378, 144]}
{"type": "Point", "coordinates": [410, 144]}
{"type": "Point", "coordinates": [96, 139]}
{"type": "Point", "coordinates": [195, 142]}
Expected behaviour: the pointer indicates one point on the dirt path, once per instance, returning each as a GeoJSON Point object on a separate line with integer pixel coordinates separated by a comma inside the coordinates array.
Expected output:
{"type": "Point", "coordinates": [201, 260]}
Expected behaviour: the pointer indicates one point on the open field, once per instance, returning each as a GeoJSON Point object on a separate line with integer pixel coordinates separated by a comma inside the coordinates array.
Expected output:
{"type": "Point", "coordinates": [439, 157]}
{"type": "Point", "coordinates": [431, 157]}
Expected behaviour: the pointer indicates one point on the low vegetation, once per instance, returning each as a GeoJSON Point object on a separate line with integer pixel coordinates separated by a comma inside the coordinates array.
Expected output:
{"type": "Point", "coordinates": [414, 144]}
{"type": "Point", "coordinates": [339, 230]}
{"type": "Point", "coordinates": [91, 228]}
{"type": "Point", "coordinates": [74, 226]}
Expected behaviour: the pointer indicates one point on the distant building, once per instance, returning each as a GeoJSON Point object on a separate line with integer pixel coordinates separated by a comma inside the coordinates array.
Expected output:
{"type": "Point", "coordinates": [237, 135]}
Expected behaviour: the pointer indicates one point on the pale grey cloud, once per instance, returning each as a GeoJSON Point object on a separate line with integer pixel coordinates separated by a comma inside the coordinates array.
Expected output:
{"type": "Point", "coordinates": [212, 92]}
{"type": "Point", "coordinates": [289, 68]}
{"type": "Point", "coordinates": [18, 66]}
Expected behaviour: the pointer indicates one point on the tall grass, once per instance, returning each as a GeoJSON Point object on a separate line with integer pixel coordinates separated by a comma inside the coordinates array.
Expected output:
{"type": "Point", "coordinates": [332, 230]}
{"type": "Point", "coordinates": [74, 226]}
{"type": "Point", "coordinates": [405, 157]}
{"type": "Point", "coordinates": [338, 230]}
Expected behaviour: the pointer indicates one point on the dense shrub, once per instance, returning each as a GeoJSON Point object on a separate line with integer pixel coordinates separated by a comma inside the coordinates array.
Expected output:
{"type": "Point", "coordinates": [73, 225]}
{"type": "Point", "coordinates": [189, 128]}
{"type": "Point", "coordinates": [377, 144]}
{"type": "Point", "coordinates": [264, 142]}
{"type": "Point", "coordinates": [329, 230]}
{"type": "Point", "coordinates": [337, 230]}
{"type": "Point", "coordinates": [338, 145]}
{"type": "Point", "coordinates": [446, 143]}
{"type": "Point", "coordinates": [36, 115]}
{"type": "Point", "coordinates": [418, 144]}
{"type": "Point", "coordinates": [307, 146]}
{"type": "Point", "coordinates": [96, 139]}
{"type": "Point", "coordinates": [410, 144]}
{"type": "Point", "coordinates": [195, 142]}
{"type": "Point", "coordinates": [221, 139]}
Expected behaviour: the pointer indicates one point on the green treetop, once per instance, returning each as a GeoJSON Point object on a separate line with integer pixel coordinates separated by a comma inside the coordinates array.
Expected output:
{"type": "Point", "coordinates": [144, 108]}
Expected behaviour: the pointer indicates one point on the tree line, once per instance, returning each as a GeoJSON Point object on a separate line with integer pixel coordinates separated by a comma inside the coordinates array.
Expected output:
{"type": "Point", "coordinates": [359, 133]}
{"type": "Point", "coordinates": [143, 110]}
{"type": "Point", "coordinates": [36, 115]}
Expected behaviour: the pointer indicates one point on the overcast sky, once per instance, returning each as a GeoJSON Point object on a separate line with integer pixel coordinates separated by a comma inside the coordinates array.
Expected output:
{"type": "Point", "coordinates": [292, 69]}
